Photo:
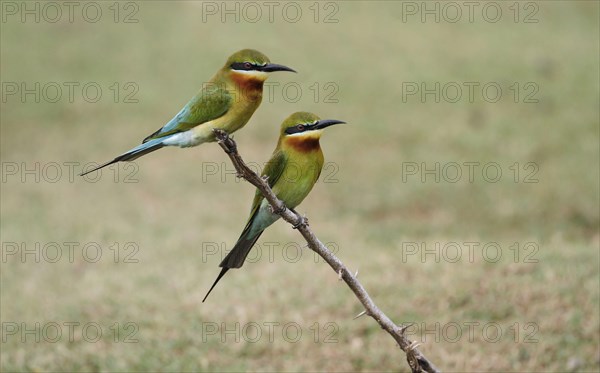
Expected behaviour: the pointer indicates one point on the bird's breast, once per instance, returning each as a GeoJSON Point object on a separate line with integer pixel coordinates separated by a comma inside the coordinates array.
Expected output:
{"type": "Point", "coordinates": [248, 87]}
{"type": "Point", "coordinates": [303, 144]}
{"type": "Point", "coordinates": [299, 176]}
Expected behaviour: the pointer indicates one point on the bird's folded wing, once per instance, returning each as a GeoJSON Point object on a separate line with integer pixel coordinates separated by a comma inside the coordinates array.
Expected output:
{"type": "Point", "coordinates": [209, 104]}
{"type": "Point", "coordinates": [273, 170]}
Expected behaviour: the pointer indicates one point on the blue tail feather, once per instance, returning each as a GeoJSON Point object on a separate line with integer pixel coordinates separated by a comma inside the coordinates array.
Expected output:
{"type": "Point", "coordinates": [134, 153]}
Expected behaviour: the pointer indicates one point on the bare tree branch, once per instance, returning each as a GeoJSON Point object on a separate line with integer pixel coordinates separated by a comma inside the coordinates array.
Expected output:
{"type": "Point", "coordinates": [416, 360]}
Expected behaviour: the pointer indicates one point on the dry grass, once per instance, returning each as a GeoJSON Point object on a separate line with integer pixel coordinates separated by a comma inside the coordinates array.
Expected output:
{"type": "Point", "coordinates": [546, 310]}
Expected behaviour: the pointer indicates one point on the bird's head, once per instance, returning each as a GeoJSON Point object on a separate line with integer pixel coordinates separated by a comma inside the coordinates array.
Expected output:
{"type": "Point", "coordinates": [303, 130]}
{"type": "Point", "coordinates": [252, 64]}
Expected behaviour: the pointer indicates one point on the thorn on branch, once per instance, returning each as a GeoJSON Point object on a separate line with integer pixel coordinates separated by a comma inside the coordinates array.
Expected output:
{"type": "Point", "coordinates": [340, 275]}
{"type": "Point", "coordinates": [404, 328]}
{"type": "Point", "coordinates": [356, 273]}
{"type": "Point", "coordinates": [360, 314]}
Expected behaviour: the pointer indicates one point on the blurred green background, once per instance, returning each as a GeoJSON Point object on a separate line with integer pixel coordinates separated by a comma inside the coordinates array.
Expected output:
{"type": "Point", "coordinates": [163, 224]}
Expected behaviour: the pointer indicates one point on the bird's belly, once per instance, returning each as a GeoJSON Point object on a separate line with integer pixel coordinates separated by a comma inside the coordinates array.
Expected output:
{"type": "Point", "coordinates": [205, 132]}
{"type": "Point", "coordinates": [296, 182]}
{"type": "Point", "coordinates": [195, 136]}
{"type": "Point", "coordinates": [264, 218]}
{"type": "Point", "coordinates": [238, 116]}
{"type": "Point", "coordinates": [294, 194]}
{"type": "Point", "coordinates": [184, 139]}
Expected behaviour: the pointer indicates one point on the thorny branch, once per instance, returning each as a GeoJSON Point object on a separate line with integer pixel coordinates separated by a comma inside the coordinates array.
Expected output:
{"type": "Point", "coordinates": [416, 360]}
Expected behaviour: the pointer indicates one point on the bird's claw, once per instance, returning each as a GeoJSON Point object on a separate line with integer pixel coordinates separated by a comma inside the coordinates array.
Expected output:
{"type": "Point", "coordinates": [303, 222]}
{"type": "Point", "coordinates": [278, 210]}
{"type": "Point", "coordinates": [231, 146]}
{"type": "Point", "coordinates": [227, 139]}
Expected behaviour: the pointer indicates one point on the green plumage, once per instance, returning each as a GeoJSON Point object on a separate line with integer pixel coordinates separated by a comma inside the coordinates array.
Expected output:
{"type": "Point", "coordinates": [209, 104]}
{"type": "Point", "coordinates": [226, 102]}
{"type": "Point", "coordinates": [292, 171]}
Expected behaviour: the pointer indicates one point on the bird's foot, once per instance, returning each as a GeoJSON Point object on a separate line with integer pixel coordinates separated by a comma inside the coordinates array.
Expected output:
{"type": "Point", "coordinates": [277, 211]}
{"type": "Point", "coordinates": [224, 138]}
{"type": "Point", "coordinates": [303, 222]}
{"type": "Point", "coordinates": [231, 146]}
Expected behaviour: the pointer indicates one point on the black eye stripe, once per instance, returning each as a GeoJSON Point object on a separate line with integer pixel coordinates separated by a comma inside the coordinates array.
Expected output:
{"type": "Point", "coordinates": [297, 129]}
{"type": "Point", "coordinates": [242, 66]}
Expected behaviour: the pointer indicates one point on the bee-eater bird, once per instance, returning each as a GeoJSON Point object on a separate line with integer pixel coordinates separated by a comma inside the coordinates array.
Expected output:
{"type": "Point", "coordinates": [226, 102]}
{"type": "Point", "coordinates": [291, 173]}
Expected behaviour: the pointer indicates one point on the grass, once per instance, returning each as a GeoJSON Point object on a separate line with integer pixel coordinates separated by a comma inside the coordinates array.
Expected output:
{"type": "Point", "coordinates": [545, 303]}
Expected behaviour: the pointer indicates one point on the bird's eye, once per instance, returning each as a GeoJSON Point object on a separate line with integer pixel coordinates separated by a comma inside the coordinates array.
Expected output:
{"type": "Point", "coordinates": [248, 65]}
{"type": "Point", "coordinates": [300, 127]}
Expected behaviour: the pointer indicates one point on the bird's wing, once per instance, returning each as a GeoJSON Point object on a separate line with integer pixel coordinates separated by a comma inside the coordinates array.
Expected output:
{"type": "Point", "coordinates": [273, 170]}
{"type": "Point", "coordinates": [235, 259]}
{"type": "Point", "coordinates": [211, 103]}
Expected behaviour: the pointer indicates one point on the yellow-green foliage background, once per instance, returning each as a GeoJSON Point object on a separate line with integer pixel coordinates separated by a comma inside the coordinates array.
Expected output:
{"type": "Point", "coordinates": [175, 209]}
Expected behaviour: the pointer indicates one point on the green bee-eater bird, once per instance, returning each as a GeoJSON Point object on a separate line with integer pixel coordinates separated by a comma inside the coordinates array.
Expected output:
{"type": "Point", "coordinates": [226, 102]}
{"type": "Point", "coordinates": [292, 172]}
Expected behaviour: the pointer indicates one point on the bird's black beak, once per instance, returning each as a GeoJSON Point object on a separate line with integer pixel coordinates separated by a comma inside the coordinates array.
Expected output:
{"type": "Point", "coordinates": [270, 67]}
{"type": "Point", "coordinates": [326, 123]}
